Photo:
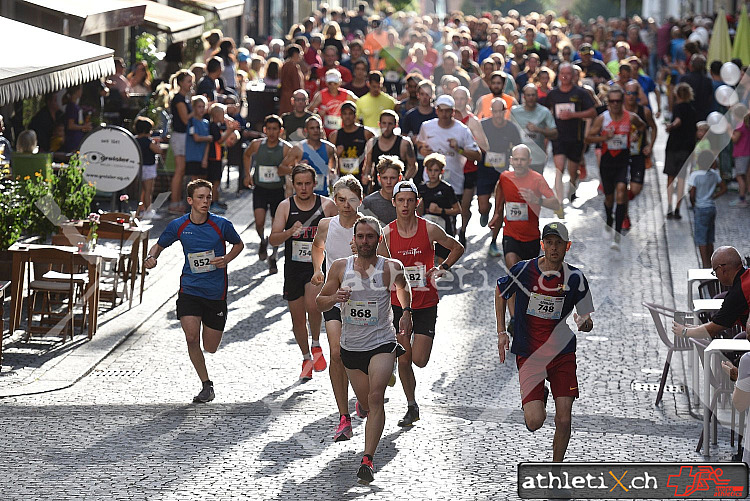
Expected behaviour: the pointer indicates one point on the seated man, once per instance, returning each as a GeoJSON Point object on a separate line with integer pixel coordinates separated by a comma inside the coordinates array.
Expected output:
{"type": "Point", "coordinates": [728, 269]}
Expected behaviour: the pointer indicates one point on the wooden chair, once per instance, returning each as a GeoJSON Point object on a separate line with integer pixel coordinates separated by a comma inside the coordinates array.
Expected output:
{"type": "Point", "coordinates": [115, 271]}
{"type": "Point", "coordinates": [58, 296]}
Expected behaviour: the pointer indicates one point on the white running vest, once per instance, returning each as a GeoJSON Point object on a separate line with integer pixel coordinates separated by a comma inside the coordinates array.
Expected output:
{"type": "Point", "coordinates": [338, 242]}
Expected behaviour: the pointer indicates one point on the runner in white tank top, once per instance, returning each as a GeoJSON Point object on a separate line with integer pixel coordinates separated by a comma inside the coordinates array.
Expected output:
{"type": "Point", "coordinates": [334, 240]}
{"type": "Point", "coordinates": [361, 285]}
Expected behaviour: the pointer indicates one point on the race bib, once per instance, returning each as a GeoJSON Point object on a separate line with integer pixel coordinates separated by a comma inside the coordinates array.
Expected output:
{"type": "Point", "coordinates": [392, 76]}
{"type": "Point", "coordinates": [361, 312]}
{"type": "Point", "coordinates": [320, 182]}
{"type": "Point", "coordinates": [635, 145]}
{"type": "Point", "coordinates": [301, 251]}
{"type": "Point", "coordinates": [349, 166]}
{"type": "Point", "coordinates": [618, 142]}
{"type": "Point", "coordinates": [548, 307]}
{"type": "Point", "coordinates": [517, 211]}
{"type": "Point", "coordinates": [533, 136]}
{"type": "Point", "coordinates": [200, 261]}
{"type": "Point", "coordinates": [268, 174]}
{"type": "Point", "coordinates": [332, 122]}
{"type": "Point", "coordinates": [560, 107]}
{"type": "Point", "coordinates": [415, 275]}
{"type": "Point", "coordinates": [434, 218]}
{"type": "Point", "coordinates": [495, 160]}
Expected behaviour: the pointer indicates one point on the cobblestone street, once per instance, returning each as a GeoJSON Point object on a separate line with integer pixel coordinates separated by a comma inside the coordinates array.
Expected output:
{"type": "Point", "coordinates": [128, 429]}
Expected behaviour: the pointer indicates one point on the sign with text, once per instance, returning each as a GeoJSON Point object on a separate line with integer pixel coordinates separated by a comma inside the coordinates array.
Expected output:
{"type": "Point", "coordinates": [632, 480]}
{"type": "Point", "coordinates": [111, 158]}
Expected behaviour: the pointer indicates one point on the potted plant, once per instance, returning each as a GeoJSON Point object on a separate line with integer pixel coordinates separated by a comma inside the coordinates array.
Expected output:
{"type": "Point", "coordinates": [12, 210]}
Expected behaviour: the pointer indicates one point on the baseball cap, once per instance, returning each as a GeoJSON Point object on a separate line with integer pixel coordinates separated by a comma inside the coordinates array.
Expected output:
{"type": "Point", "coordinates": [243, 55]}
{"type": "Point", "coordinates": [349, 104]}
{"type": "Point", "coordinates": [586, 49]}
{"type": "Point", "coordinates": [557, 229]}
{"type": "Point", "coordinates": [405, 187]}
{"type": "Point", "coordinates": [445, 100]}
{"type": "Point", "coordinates": [333, 76]}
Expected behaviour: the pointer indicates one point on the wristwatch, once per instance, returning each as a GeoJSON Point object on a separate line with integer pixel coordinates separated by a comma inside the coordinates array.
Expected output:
{"type": "Point", "coordinates": [442, 266]}
{"type": "Point", "coordinates": [408, 308]}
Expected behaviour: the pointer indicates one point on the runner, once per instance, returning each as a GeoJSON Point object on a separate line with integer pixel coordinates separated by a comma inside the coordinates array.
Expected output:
{"type": "Point", "coordinates": [502, 135]}
{"type": "Point", "coordinates": [203, 284]}
{"type": "Point", "coordinates": [519, 196]}
{"type": "Point", "coordinates": [388, 144]}
{"type": "Point", "coordinates": [360, 285]}
{"type": "Point", "coordinates": [415, 117]}
{"type": "Point", "coordinates": [536, 124]}
{"type": "Point", "coordinates": [412, 240]}
{"type": "Point", "coordinates": [439, 203]}
{"type": "Point", "coordinates": [327, 103]}
{"type": "Point", "coordinates": [380, 203]}
{"type": "Point", "coordinates": [265, 155]}
{"type": "Point", "coordinates": [640, 147]}
{"type": "Point", "coordinates": [543, 343]}
{"type": "Point", "coordinates": [612, 128]}
{"type": "Point", "coordinates": [315, 152]}
{"type": "Point", "coordinates": [295, 120]}
{"type": "Point", "coordinates": [350, 141]}
{"type": "Point", "coordinates": [333, 240]}
{"type": "Point", "coordinates": [295, 225]}
{"type": "Point", "coordinates": [371, 105]}
{"type": "Point", "coordinates": [570, 105]}
{"type": "Point", "coordinates": [497, 85]}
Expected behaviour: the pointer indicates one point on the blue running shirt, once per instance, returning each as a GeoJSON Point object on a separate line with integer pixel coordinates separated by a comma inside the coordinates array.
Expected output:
{"type": "Point", "coordinates": [198, 278]}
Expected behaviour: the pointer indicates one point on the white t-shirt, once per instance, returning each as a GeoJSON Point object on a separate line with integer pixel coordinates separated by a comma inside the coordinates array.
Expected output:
{"type": "Point", "coordinates": [437, 138]}
{"type": "Point", "coordinates": [743, 384]}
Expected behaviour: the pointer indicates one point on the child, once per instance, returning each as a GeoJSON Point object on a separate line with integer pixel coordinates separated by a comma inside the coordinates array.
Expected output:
{"type": "Point", "coordinates": [439, 202]}
{"type": "Point", "coordinates": [149, 149]}
{"type": "Point", "coordinates": [741, 154]}
{"type": "Point", "coordinates": [196, 142]}
{"type": "Point", "coordinates": [218, 113]}
{"type": "Point", "coordinates": [701, 141]}
{"type": "Point", "coordinates": [702, 189]}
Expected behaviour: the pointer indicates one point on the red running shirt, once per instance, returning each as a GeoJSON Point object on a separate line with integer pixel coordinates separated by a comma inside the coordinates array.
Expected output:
{"type": "Point", "coordinates": [417, 254]}
{"type": "Point", "coordinates": [522, 219]}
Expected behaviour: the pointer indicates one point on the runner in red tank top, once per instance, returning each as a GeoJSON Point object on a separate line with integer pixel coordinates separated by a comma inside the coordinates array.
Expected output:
{"type": "Point", "coordinates": [412, 240]}
{"type": "Point", "coordinates": [327, 103]}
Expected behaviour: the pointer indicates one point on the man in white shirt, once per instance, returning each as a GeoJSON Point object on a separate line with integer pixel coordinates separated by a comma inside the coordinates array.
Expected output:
{"type": "Point", "coordinates": [451, 138]}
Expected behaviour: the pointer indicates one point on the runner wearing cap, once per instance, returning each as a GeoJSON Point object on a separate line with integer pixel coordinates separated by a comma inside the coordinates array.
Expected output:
{"type": "Point", "coordinates": [360, 285]}
{"type": "Point", "coordinates": [591, 67]}
{"type": "Point", "coordinates": [613, 129]}
{"type": "Point", "coordinates": [350, 141]}
{"type": "Point", "coordinates": [546, 289]}
{"type": "Point", "coordinates": [295, 225]}
{"type": "Point", "coordinates": [316, 152]}
{"type": "Point", "coordinates": [451, 138]}
{"type": "Point", "coordinates": [327, 103]}
{"type": "Point", "coordinates": [519, 196]}
{"type": "Point", "coordinates": [411, 240]}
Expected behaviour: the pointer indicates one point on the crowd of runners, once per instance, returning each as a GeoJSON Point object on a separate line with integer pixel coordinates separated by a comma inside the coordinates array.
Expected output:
{"type": "Point", "coordinates": [369, 175]}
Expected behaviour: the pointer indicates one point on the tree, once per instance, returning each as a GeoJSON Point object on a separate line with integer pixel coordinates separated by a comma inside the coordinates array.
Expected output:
{"type": "Point", "coordinates": [586, 9]}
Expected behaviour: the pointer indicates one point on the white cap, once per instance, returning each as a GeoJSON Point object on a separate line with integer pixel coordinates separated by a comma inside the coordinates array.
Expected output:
{"type": "Point", "coordinates": [333, 76]}
{"type": "Point", "coordinates": [445, 100]}
{"type": "Point", "coordinates": [405, 187]}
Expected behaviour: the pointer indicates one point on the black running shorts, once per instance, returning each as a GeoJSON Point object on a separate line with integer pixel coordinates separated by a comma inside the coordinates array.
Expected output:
{"type": "Point", "coordinates": [212, 312]}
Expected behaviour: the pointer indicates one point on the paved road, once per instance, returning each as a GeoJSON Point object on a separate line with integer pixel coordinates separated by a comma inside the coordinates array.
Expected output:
{"type": "Point", "coordinates": [128, 430]}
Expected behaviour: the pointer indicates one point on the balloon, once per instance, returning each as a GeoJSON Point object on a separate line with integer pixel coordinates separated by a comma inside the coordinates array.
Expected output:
{"type": "Point", "coordinates": [717, 122]}
{"type": "Point", "coordinates": [730, 73]}
{"type": "Point", "coordinates": [726, 96]}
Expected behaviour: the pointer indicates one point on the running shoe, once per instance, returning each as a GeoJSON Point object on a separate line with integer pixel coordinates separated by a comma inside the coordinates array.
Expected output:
{"type": "Point", "coordinates": [739, 203]}
{"type": "Point", "coordinates": [494, 251]}
{"type": "Point", "coordinates": [216, 209]}
{"type": "Point", "coordinates": [361, 413]}
{"type": "Point", "coordinates": [572, 197]}
{"type": "Point", "coordinates": [263, 250]}
{"type": "Point", "coordinates": [344, 430]}
{"type": "Point", "coordinates": [677, 214]}
{"type": "Point", "coordinates": [582, 173]}
{"type": "Point", "coordinates": [484, 219]}
{"type": "Point", "coordinates": [411, 416]}
{"type": "Point", "coordinates": [319, 361]}
{"type": "Point", "coordinates": [626, 224]}
{"type": "Point", "coordinates": [600, 189]}
{"type": "Point", "coordinates": [206, 395]}
{"type": "Point", "coordinates": [615, 245]}
{"type": "Point", "coordinates": [364, 474]}
{"type": "Point", "coordinates": [307, 370]}
{"type": "Point", "coordinates": [272, 269]}
{"type": "Point", "coordinates": [670, 215]}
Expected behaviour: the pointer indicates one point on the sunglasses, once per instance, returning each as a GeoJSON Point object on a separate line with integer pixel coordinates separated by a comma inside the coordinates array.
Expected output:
{"type": "Point", "coordinates": [631, 93]}
{"type": "Point", "coordinates": [615, 100]}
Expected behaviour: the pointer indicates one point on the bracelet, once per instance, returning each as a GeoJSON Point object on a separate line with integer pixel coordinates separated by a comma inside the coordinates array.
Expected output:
{"type": "Point", "coordinates": [502, 332]}
{"type": "Point", "coordinates": [149, 256]}
{"type": "Point", "coordinates": [684, 331]}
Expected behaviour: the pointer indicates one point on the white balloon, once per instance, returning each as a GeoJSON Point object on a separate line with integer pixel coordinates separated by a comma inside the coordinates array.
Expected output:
{"type": "Point", "coordinates": [726, 96]}
{"type": "Point", "coordinates": [717, 122]}
{"type": "Point", "coordinates": [730, 73]}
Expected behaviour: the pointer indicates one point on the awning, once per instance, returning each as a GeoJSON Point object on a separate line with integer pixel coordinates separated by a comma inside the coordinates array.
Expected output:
{"type": "Point", "coordinates": [180, 25]}
{"type": "Point", "coordinates": [225, 9]}
{"type": "Point", "coordinates": [49, 62]}
{"type": "Point", "coordinates": [97, 16]}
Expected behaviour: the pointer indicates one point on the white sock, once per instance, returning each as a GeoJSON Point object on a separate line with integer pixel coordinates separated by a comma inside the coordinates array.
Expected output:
{"type": "Point", "coordinates": [315, 343]}
{"type": "Point", "coordinates": [307, 356]}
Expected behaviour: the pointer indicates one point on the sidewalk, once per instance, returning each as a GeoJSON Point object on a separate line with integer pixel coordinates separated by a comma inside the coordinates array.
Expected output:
{"type": "Point", "coordinates": [44, 364]}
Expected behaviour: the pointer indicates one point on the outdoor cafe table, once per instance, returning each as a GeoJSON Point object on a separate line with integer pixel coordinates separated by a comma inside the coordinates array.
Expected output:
{"type": "Point", "coordinates": [706, 305]}
{"type": "Point", "coordinates": [697, 275]}
{"type": "Point", "coordinates": [91, 260]}
{"type": "Point", "coordinates": [138, 234]}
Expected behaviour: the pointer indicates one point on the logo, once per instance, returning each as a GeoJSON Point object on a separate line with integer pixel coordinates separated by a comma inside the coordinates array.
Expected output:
{"type": "Point", "coordinates": [220, 314]}
{"type": "Point", "coordinates": [410, 252]}
{"type": "Point", "coordinates": [702, 478]}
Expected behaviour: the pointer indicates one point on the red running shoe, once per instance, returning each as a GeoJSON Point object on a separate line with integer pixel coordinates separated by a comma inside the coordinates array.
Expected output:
{"type": "Point", "coordinates": [319, 361]}
{"type": "Point", "coordinates": [626, 223]}
{"type": "Point", "coordinates": [307, 370]}
{"type": "Point", "coordinates": [582, 173]}
{"type": "Point", "coordinates": [364, 474]}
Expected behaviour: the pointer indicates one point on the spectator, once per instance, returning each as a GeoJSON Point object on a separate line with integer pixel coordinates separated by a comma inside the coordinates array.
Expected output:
{"type": "Point", "coordinates": [211, 41]}
{"type": "Point", "coordinates": [334, 38]}
{"type": "Point", "coordinates": [43, 123]}
{"type": "Point", "coordinates": [76, 124]}
{"type": "Point", "coordinates": [226, 52]}
{"type": "Point", "coordinates": [741, 154]}
{"type": "Point", "coordinates": [209, 85]}
{"type": "Point", "coordinates": [680, 145]}
{"type": "Point", "coordinates": [272, 77]}
{"type": "Point", "coordinates": [701, 85]}
{"type": "Point", "coordinates": [140, 78]}
{"type": "Point", "coordinates": [181, 110]}
{"type": "Point", "coordinates": [702, 185]}
{"type": "Point", "coordinates": [291, 77]}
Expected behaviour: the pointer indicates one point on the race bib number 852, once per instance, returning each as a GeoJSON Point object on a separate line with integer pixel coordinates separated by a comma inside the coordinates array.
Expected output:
{"type": "Point", "coordinates": [200, 262]}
